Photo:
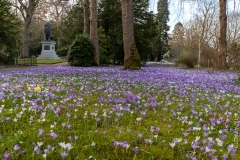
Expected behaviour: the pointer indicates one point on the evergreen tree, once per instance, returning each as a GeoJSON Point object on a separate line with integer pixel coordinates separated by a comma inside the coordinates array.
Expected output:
{"type": "Point", "coordinates": [9, 31]}
{"type": "Point", "coordinates": [161, 42]}
{"type": "Point", "coordinates": [144, 28]}
{"type": "Point", "coordinates": [111, 21]}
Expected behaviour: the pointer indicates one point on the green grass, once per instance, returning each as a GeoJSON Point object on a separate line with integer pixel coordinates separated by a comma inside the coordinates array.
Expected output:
{"type": "Point", "coordinates": [93, 112]}
{"type": "Point", "coordinates": [51, 61]}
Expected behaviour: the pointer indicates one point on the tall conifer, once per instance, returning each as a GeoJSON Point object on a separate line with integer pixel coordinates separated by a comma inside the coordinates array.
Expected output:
{"type": "Point", "coordinates": [161, 43]}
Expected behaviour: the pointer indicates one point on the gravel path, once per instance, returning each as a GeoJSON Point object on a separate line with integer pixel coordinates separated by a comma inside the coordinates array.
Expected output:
{"type": "Point", "coordinates": [17, 68]}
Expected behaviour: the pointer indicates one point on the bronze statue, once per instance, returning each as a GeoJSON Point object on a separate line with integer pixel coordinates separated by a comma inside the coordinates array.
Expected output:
{"type": "Point", "coordinates": [48, 32]}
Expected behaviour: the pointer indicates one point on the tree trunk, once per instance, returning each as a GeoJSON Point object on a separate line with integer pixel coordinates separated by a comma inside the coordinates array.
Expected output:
{"type": "Point", "coordinates": [131, 56]}
{"type": "Point", "coordinates": [27, 11]}
{"type": "Point", "coordinates": [222, 51]}
{"type": "Point", "coordinates": [26, 30]}
{"type": "Point", "coordinates": [94, 30]}
{"type": "Point", "coordinates": [86, 16]}
{"type": "Point", "coordinates": [156, 58]}
{"type": "Point", "coordinates": [199, 52]}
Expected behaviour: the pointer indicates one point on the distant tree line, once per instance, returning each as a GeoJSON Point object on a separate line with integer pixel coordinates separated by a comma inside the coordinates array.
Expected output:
{"type": "Point", "coordinates": [198, 38]}
{"type": "Point", "coordinates": [68, 20]}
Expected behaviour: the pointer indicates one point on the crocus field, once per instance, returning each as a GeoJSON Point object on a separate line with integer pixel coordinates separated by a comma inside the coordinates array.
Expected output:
{"type": "Point", "coordinates": [65, 112]}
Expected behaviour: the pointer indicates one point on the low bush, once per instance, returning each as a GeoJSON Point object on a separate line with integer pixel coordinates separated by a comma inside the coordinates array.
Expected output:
{"type": "Point", "coordinates": [81, 52]}
{"type": "Point", "coordinates": [186, 59]}
{"type": "Point", "coordinates": [62, 52]}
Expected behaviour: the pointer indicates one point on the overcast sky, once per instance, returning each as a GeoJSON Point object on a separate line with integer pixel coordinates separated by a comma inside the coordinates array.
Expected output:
{"type": "Point", "coordinates": [186, 13]}
{"type": "Point", "coordinates": [175, 15]}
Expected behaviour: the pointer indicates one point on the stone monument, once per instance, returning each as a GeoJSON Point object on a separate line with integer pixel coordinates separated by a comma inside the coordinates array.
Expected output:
{"type": "Point", "coordinates": [48, 44]}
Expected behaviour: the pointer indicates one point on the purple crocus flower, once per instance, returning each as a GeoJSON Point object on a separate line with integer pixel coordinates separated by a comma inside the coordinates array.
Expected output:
{"type": "Point", "coordinates": [225, 156]}
{"type": "Point", "coordinates": [36, 149]}
{"type": "Point", "coordinates": [46, 151]}
{"type": "Point", "coordinates": [193, 158]}
{"type": "Point", "coordinates": [69, 126]}
{"type": "Point", "coordinates": [116, 143]}
{"type": "Point", "coordinates": [16, 147]}
{"type": "Point", "coordinates": [7, 155]}
{"type": "Point", "coordinates": [224, 136]}
{"type": "Point", "coordinates": [40, 132]}
{"type": "Point", "coordinates": [54, 135]}
{"type": "Point", "coordinates": [195, 145]}
{"type": "Point", "coordinates": [76, 138]}
{"type": "Point", "coordinates": [135, 149]}
{"type": "Point", "coordinates": [230, 148]}
{"type": "Point", "coordinates": [98, 119]}
{"type": "Point", "coordinates": [64, 154]}
{"type": "Point", "coordinates": [152, 129]}
{"type": "Point", "coordinates": [185, 134]}
{"type": "Point", "coordinates": [49, 146]}
{"type": "Point", "coordinates": [70, 105]}
{"type": "Point", "coordinates": [210, 144]}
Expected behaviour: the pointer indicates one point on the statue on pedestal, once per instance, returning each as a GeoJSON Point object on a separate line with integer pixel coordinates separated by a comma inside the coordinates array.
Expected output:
{"type": "Point", "coordinates": [48, 32]}
{"type": "Point", "coordinates": [48, 44]}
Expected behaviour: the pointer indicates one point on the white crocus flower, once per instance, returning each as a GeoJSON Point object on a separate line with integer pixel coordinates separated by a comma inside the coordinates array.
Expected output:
{"type": "Point", "coordinates": [196, 128]}
{"type": "Point", "coordinates": [210, 139]}
{"type": "Point", "coordinates": [197, 138]}
{"type": "Point", "coordinates": [139, 119]}
{"type": "Point", "coordinates": [67, 145]}
{"type": "Point", "coordinates": [39, 144]}
{"type": "Point", "coordinates": [44, 155]}
{"type": "Point", "coordinates": [172, 144]}
{"type": "Point", "coordinates": [178, 140]}
{"type": "Point", "coordinates": [208, 149]}
{"type": "Point", "coordinates": [104, 114]}
{"type": "Point", "coordinates": [93, 143]}
{"type": "Point", "coordinates": [219, 142]}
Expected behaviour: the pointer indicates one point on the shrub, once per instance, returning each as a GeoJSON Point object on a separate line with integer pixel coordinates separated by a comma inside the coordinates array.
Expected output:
{"type": "Point", "coordinates": [186, 59]}
{"type": "Point", "coordinates": [81, 52]}
{"type": "Point", "coordinates": [62, 52]}
{"type": "Point", "coordinates": [7, 56]}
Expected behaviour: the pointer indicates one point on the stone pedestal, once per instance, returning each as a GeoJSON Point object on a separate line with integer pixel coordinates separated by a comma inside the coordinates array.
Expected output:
{"type": "Point", "coordinates": [48, 50]}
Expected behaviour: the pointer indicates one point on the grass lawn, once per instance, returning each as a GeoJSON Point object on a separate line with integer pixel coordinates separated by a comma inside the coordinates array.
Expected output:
{"type": "Point", "coordinates": [109, 113]}
{"type": "Point", "coordinates": [51, 61]}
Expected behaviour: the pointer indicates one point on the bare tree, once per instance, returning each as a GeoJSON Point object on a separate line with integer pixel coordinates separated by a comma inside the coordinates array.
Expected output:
{"type": "Point", "coordinates": [205, 20]}
{"type": "Point", "coordinates": [27, 9]}
{"type": "Point", "coordinates": [94, 30]}
{"type": "Point", "coordinates": [222, 49]}
{"type": "Point", "coordinates": [233, 38]}
{"type": "Point", "coordinates": [131, 56]}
